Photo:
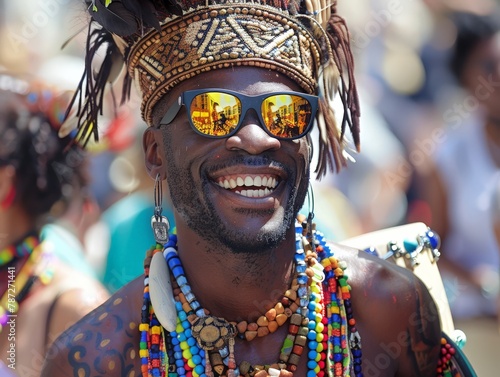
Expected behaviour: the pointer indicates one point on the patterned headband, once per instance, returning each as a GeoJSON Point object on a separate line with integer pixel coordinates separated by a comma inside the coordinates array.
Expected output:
{"type": "Point", "coordinates": [163, 42]}
{"type": "Point", "coordinates": [217, 37]}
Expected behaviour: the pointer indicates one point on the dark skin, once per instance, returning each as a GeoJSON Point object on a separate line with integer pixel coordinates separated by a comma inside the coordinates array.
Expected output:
{"type": "Point", "coordinates": [243, 271]}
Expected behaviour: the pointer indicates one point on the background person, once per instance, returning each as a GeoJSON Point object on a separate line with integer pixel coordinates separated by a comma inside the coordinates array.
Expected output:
{"type": "Point", "coordinates": [41, 295]}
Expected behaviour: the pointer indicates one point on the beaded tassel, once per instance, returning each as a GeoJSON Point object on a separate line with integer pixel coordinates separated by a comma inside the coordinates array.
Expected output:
{"type": "Point", "coordinates": [445, 366]}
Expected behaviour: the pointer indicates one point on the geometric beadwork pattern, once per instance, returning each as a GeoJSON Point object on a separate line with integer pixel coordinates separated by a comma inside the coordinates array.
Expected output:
{"type": "Point", "coordinates": [221, 36]}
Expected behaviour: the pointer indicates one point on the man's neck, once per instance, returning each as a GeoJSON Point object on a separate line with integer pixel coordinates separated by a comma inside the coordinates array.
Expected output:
{"type": "Point", "coordinates": [236, 286]}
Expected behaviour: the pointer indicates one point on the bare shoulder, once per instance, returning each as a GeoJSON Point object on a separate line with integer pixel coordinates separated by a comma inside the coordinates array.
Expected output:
{"type": "Point", "coordinates": [74, 295]}
{"type": "Point", "coordinates": [105, 341]}
{"type": "Point", "coordinates": [395, 313]}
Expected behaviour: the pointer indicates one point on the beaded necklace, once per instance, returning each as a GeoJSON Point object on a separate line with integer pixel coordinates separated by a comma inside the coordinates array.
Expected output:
{"type": "Point", "coordinates": [22, 249]}
{"type": "Point", "coordinates": [322, 324]}
{"type": "Point", "coordinates": [36, 268]}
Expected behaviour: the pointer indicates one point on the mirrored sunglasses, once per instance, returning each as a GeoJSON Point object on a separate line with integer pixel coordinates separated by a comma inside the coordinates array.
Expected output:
{"type": "Point", "coordinates": [219, 113]}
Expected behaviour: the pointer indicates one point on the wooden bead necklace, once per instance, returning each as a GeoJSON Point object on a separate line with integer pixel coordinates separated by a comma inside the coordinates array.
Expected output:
{"type": "Point", "coordinates": [201, 345]}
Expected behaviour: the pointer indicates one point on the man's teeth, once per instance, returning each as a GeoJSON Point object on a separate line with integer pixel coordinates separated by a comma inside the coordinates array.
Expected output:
{"type": "Point", "coordinates": [262, 185]}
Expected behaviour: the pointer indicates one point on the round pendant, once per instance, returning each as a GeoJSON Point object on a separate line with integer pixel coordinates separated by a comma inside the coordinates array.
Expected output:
{"type": "Point", "coordinates": [212, 332]}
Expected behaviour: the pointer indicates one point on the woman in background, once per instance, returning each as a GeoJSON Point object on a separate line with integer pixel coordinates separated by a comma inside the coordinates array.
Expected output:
{"type": "Point", "coordinates": [40, 175]}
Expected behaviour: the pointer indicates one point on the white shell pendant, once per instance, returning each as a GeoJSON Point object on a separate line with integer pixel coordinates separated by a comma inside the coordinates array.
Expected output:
{"type": "Point", "coordinates": [161, 293]}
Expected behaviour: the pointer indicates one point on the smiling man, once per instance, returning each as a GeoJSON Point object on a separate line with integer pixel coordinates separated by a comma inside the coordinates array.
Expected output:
{"type": "Point", "coordinates": [246, 286]}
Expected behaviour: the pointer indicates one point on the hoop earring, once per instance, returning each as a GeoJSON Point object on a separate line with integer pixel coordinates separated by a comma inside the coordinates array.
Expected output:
{"type": "Point", "coordinates": [159, 223]}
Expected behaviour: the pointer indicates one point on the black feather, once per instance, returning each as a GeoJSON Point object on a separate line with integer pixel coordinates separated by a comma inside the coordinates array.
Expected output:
{"type": "Point", "coordinates": [115, 18]}
{"type": "Point", "coordinates": [172, 7]}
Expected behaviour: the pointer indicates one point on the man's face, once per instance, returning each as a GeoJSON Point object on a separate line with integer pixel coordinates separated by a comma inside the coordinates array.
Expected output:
{"type": "Point", "coordinates": [482, 75]}
{"type": "Point", "coordinates": [271, 175]}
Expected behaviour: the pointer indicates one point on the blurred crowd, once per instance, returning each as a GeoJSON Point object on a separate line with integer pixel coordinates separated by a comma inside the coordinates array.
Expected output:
{"type": "Point", "coordinates": [429, 79]}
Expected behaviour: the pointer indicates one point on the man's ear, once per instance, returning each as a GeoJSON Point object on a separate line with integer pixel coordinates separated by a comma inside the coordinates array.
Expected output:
{"type": "Point", "coordinates": [152, 143]}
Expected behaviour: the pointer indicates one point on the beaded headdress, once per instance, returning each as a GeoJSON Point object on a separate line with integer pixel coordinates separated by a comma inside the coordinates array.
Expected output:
{"type": "Point", "coordinates": [163, 42]}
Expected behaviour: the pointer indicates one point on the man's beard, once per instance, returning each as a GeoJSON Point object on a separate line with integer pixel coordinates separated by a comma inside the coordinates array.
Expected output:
{"type": "Point", "coordinates": [201, 216]}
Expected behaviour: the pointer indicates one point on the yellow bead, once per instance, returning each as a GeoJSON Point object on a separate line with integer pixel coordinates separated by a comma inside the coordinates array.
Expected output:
{"type": "Point", "coordinates": [320, 327]}
{"type": "Point", "coordinates": [143, 327]}
{"type": "Point", "coordinates": [319, 337]}
{"type": "Point", "coordinates": [156, 330]}
{"type": "Point", "coordinates": [317, 370]}
{"type": "Point", "coordinates": [184, 345]}
{"type": "Point", "coordinates": [179, 329]}
{"type": "Point", "coordinates": [143, 353]}
{"type": "Point", "coordinates": [187, 354]}
{"type": "Point", "coordinates": [190, 361]}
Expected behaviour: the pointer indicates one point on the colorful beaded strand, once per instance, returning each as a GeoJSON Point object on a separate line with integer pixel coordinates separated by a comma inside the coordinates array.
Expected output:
{"type": "Point", "coordinates": [20, 250]}
{"type": "Point", "coordinates": [320, 311]}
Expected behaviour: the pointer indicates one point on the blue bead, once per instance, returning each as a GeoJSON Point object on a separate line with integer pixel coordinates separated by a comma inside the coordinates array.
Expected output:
{"type": "Point", "coordinates": [200, 370]}
{"type": "Point", "coordinates": [178, 271]}
{"type": "Point", "coordinates": [301, 268]}
{"type": "Point", "coordinates": [311, 364]}
{"type": "Point", "coordinates": [179, 363]}
{"type": "Point", "coordinates": [410, 245]}
{"type": "Point", "coordinates": [313, 344]}
{"type": "Point", "coordinates": [174, 262]}
{"type": "Point", "coordinates": [299, 257]}
{"type": "Point", "coordinates": [302, 278]}
{"type": "Point", "coordinates": [178, 356]}
{"type": "Point", "coordinates": [194, 350]}
{"type": "Point", "coordinates": [311, 373]}
{"type": "Point", "coordinates": [311, 335]}
{"type": "Point", "coordinates": [171, 255]}
{"type": "Point", "coordinates": [372, 250]}
{"type": "Point", "coordinates": [181, 337]}
{"type": "Point", "coordinates": [311, 325]}
{"type": "Point", "coordinates": [434, 239]}
{"type": "Point", "coordinates": [197, 360]}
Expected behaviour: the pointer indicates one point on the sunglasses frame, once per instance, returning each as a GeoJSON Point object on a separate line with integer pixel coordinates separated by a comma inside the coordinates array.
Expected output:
{"type": "Point", "coordinates": [247, 103]}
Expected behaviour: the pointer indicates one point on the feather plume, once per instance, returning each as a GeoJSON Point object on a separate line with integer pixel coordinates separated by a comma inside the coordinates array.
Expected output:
{"type": "Point", "coordinates": [115, 17]}
{"type": "Point", "coordinates": [87, 102]}
{"type": "Point", "coordinates": [342, 55]}
{"type": "Point", "coordinates": [125, 17]}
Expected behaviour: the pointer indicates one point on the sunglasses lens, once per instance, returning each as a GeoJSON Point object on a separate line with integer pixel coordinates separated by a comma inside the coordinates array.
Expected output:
{"type": "Point", "coordinates": [215, 114]}
{"type": "Point", "coordinates": [287, 115]}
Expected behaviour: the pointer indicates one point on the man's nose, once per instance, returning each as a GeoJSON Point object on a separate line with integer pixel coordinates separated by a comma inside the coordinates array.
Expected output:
{"type": "Point", "coordinates": [251, 136]}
